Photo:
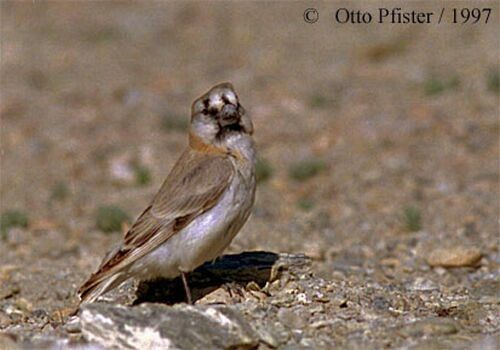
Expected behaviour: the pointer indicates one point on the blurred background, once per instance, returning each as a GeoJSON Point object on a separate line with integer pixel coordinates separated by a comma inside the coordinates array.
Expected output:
{"type": "Point", "coordinates": [377, 143]}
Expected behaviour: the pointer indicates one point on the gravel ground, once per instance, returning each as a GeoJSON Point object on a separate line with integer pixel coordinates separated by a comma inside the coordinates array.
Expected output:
{"type": "Point", "coordinates": [379, 160]}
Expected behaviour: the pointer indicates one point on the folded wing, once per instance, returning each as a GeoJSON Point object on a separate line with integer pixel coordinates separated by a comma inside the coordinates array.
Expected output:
{"type": "Point", "coordinates": [194, 185]}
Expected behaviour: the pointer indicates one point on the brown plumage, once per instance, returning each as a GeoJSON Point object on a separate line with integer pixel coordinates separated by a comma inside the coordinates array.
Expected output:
{"type": "Point", "coordinates": [216, 171]}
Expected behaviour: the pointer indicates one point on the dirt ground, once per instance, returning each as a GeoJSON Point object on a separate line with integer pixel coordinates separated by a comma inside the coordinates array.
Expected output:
{"type": "Point", "coordinates": [378, 147]}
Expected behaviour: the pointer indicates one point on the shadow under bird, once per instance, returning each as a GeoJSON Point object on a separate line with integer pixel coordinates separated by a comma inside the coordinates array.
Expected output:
{"type": "Point", "coordinates": [199, 209]}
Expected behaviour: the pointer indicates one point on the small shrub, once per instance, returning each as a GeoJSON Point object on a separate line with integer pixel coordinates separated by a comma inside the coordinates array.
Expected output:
{"type": "Point", "coordinates": [306, 204]}
{"type": "Point", "coordinates": [59, 191]}
{"type": "Point", "coordinates": [12, 218]}
{"type": "Point", "coordinates": [434, 86]}
{"type": "Point", "coordinates": [110, 218]}
{"type": "Point", "coordinates": [173, 122]}
{"type": "Point", "coordinates": [263, 170]}
{"type": "Point", "coordinates": [494, 81]}
{"type": "Point", "coordinates": [412, 219]}
{"type": "Point", "coordinates": [306, 169]}
{"type": "Point", "coordinates": [142, 175]}
{"type": "Point", "coordinates": [318, 101]}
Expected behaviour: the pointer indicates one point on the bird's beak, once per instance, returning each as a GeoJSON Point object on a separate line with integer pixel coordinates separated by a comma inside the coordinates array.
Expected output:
{"type": "Point", "coordinates": [229, 115]}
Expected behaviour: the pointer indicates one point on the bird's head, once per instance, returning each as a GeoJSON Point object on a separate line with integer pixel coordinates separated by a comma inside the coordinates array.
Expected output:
{"type": "Point", "coordinates": [218, 113]}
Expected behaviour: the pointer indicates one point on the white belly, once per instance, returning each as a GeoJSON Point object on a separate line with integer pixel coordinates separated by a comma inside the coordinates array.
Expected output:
{"type": "Point", "coordinates": [204, 238]}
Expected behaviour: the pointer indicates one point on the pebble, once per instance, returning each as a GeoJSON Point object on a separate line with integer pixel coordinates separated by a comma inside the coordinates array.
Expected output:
{"type": "Point", "coordinates": [23, 305]}
{"type": "Point", "coordinates": [458, 256]}
{"type": "Point", "coordinates": [422, 284]}
{"type": "Point", "coordinates": [4, 320]}
{"type": "Point", "coordinates": [437, 326]}
{"type": "Point", "coordinates": [291, 319]}
{"type": "Point", "coordinates": [252, 286]}
{"type": "Point", "coordinates": [315, 250]}
{"type": "Point", "coordinates": [266, 337]}
{"type": "Point", "coordinates": [218, 296]}
{"type": "Point", "coordinates": [73, 325]}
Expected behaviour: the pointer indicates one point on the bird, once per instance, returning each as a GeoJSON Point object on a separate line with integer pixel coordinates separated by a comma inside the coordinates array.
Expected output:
{"type": "Point", "coordinates": [200, 207]}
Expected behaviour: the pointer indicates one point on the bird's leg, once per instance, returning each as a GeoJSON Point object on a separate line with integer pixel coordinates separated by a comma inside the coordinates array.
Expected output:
{"type": "Point", "coordinates": [186, 288]}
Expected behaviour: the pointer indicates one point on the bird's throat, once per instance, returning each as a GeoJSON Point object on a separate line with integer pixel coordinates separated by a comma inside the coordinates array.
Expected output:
{"type": "Point", "coordinates": [196, 143]}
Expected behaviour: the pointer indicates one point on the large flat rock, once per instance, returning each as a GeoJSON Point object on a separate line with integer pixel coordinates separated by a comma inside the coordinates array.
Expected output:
{"type": "Point", "coordinates": [156, 326]}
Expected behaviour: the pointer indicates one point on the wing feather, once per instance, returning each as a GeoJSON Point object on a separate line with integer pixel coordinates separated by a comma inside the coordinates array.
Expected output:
{"type": "Point", "coordinates": [194, 185]}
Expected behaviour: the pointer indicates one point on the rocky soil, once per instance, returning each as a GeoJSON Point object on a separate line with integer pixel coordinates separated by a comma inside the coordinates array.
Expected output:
{"type": "Point", "coordinates": [376, 219]}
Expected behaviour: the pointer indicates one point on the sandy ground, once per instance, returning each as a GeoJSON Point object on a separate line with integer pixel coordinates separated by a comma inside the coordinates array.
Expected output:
{"type": "Point", "coordinates": [380, 142]}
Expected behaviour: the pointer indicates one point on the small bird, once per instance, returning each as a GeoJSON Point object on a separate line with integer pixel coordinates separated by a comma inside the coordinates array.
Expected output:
{"type": "Point", "coordinates": [199, 209]}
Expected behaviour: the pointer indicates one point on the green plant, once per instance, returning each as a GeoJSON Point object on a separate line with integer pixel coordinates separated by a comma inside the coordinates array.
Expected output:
{"type": "Point", "coordinates": [110, 218]}
{"type": "Point", "coordinates": [59, 191]}
{"type": "Point", "coordinates": [318, 101]}
{"type": "Point", "coordinates": [142, 175]}
{"type": "Point", "coordinates": [174, 122]}
{"type": "Point", "coordinates": [412, 219]}
{"type": "Point", "coordinates": [306, 169]}
{"type": "Point", "coordinates": [12, 218]}
{"type": "Point", "coordinates": [263, 170]}
{"type": "Point", "coordinates": [494, 81]}
{"type": "Point", "coordinates": [305, 203]}
{"type": "Point", "coordinates": [435, 86]}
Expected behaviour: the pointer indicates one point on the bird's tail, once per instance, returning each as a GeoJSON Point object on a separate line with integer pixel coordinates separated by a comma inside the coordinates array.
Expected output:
{"type": "Point", "coordinates": [94, 288]}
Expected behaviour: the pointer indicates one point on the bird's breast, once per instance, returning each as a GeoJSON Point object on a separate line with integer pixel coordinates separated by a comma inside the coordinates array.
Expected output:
{"type": "Point", "coordinates": [211, 232]}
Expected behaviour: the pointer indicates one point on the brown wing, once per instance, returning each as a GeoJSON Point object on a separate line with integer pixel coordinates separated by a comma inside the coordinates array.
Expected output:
{"type": "Point", "coordinates": [192, 187]}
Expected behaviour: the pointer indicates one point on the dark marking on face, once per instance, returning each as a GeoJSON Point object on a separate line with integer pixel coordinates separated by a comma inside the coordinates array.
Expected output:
{"type": "Point", "coordinates": [212, 111]}
{"type": "Point", "coordinates": [225, 99]}
{"type": "Point", "coordinates": [232, 128]}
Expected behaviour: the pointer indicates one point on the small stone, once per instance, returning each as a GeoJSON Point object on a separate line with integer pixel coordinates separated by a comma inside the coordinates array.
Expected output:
{"type": "Point", "coordinates": [315, 250]}
{"type": "Point", "coordinates": [338, 276]}
{"type": "Point", "coordinates": [23, 305]}
{"type": "Point", "coordinates": [423, 285]}
{"type": "Point", "coordinates": [390, 262]}
{"type": "Point", "coordinates": [9, 291]}
{"type": "Point", "coordinates": [322, 324]}
{"type": "Point", "coordinates": [4, 320]}
{"type": "Point", "coordinates": [272, 287]}
{"type": "Point", "coordinates": [291, 319]}
{"type": "Point", "coordinates": [266, 336]}
{"type": "Point", "coordinates": [428, 327]}
{"type": "Point", "coordinates": [303, 299]}
{"type": "Point", "coordinates": [257, 295]}
{"type": "Point", "coordinates": [218, 296]}
{"type": "Point", "coordinates": [73, 325]}
{"type": "Point", "coordinates": [440, 271]}
{"type": "Point", "coordinates": [380, 303]}
{"type": "Point", "coordinates": [458, 256]}
{"type": "Point", "coordinates": [252, 286]}
{"type": "Point", "coordinates": [320, 297]}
